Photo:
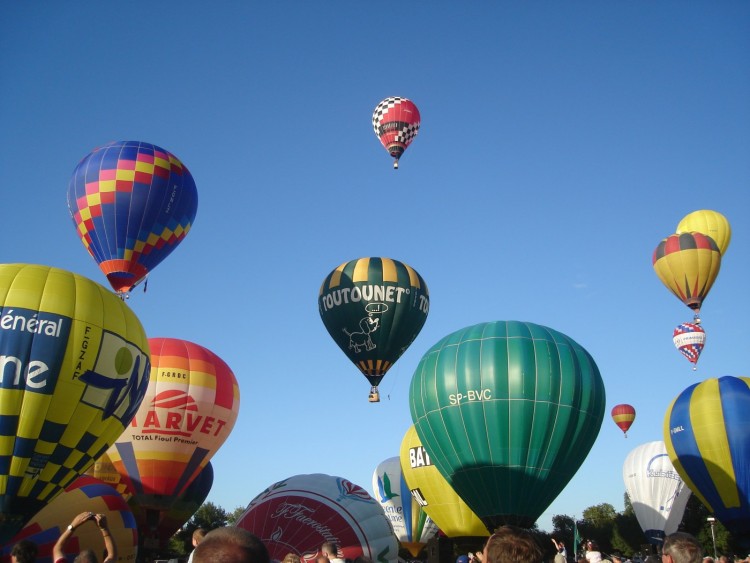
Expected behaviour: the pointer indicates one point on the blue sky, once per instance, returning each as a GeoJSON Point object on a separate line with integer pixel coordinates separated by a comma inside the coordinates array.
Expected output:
{"type": "Point", "coordinates": [560, 142]}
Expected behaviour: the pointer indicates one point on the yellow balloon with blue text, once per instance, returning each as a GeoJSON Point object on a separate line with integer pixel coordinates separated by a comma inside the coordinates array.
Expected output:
{"type": "Point", "coordinates": [74, 367]}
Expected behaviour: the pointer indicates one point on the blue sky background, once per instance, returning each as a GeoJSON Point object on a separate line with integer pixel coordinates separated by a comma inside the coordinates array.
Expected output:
{"type": "Point", "coordinates": [560, 142]}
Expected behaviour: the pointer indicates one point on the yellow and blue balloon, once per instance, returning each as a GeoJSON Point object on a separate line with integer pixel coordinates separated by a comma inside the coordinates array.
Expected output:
{"type": "Point", "coordinates": [74, 367]}
{"type": "Point", "coordinates": [707, 434]}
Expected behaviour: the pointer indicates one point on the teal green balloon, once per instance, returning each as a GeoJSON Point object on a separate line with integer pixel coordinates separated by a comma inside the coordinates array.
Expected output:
{"type": "Point", "coordinates": [508, 410]}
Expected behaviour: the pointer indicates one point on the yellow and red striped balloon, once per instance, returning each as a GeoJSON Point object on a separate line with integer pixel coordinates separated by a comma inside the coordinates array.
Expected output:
{"type": "Point", "coordinates": [623, 415]}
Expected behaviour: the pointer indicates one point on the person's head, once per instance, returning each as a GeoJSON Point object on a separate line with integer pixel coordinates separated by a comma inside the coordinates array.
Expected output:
{"type": "Point", "coordinates": [291, 558]}
{"type": "Point", "coordinates": [591, 545]}
{"type": "Point", "coordinates": [329, 549]}
{"type": "Point", "coordinates": [198, 535]}
{"type": "Point", "coordinates": [616, 559]}
{"type": "Point", "coordinates": [86, 556]}
{"type": "Point", "coordinates": [23, 552]}
{"type": "Point", "coordinates": [681, 548]}
{"type": "Point", "coordinates": [230, 545]}
{"type": "Point", "coordinates": [510, 544]}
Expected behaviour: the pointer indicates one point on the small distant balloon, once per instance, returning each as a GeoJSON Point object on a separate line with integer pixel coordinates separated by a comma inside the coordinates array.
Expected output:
{"type": "Point", "coordinates": [624, 416]}
{"type": "Point", "coordinates": [689, 338]}
{"type": "Point", "coordinates": [709, 223]}
{"type": "Point", "coordinates": [396, 122]}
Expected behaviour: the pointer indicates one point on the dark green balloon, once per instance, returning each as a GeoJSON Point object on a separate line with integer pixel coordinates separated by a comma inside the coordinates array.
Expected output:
{"type": "Point", "coordinates": [373, 308]}
{"type": "Point", "coordinates": [508, 412]}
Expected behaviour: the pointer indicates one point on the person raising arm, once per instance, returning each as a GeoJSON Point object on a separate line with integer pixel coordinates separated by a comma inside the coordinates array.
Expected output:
{"type": "Point", "coordinates": [87, 555]}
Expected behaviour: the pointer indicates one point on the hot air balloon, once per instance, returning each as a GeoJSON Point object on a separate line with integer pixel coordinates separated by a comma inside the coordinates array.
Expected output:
{"type": "Point", "coordinates": [624, 416]}
{"type": "Point", "coordinates": [689, 338]}
{"type": "Point", "coordinates": [85, 494]}
{"type": "Point", "coordinates": [411, 525]}
{"type": "Point", "coordinates": [298, 514]}
{"type": "Point", "coordinates": [656, 491]}
{"type": "Point", "coordinates": [75, 363]}
{"type": "Point", "coordinates": [184, 506]}
{"type": "Point", "coordinates": [396, 122]}
{"type": "Point", "coordinates": [373, 309]}
{"type": "Point", "coordinates": [508, 411]}
{"type": "Point", "coordinates": [688, 265]}
{"type": "Point", "coordinates": [132, 203]}
{"type": "Point", "coordinates": [104, 470]}
{"type": "Point", "coordinates": [433, 493]}
{"type": "Point", "coordinates": [189, 410]}
{"type": "Point", "coordinates": [709, 223]}
{"type": "Point", "coordinates": [707, 438]}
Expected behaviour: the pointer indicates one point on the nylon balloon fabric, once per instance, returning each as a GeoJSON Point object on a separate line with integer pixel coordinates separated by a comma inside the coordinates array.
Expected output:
{"type": "Point", "coordinates": [657, 493]}
{"type": "Point", "coordinates": [132, 204]}
{"type": "Point", "coordinates": [707, 434]}
{"type": "Point", "coordinates": [396, 122]}
{"type": "Point", "coordinates": [688, 264]}
{"type": "Point", "coordinates": [76, 366]}
{"type": "Point", "coordinates": [710, 223]}
{"type": "Point", "coordinates": [411, 525]}
{"type": "Point", "coordinates": [623, 416]}
{"type": "Point", "coordinates": [189, 410]}
{"type": "Point", "coordinates": [299, 513]}
{"type": "Point", "coordinates": [689, 339]}
{"type": "Point", "coordinates": [373, 308]}
{"type": "Point", "coordinates": [508, 411]}
{"type": "Point", "coordinates": [85, 494]}
{"type": "Point", "coordinates": [432, 491]}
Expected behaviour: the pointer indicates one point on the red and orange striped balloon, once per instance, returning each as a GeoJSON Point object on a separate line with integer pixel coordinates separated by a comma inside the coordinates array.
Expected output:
{"type": "Point", "coordinates": [623, 415]}
{"type": "Point", "coordinates": [189, 409]}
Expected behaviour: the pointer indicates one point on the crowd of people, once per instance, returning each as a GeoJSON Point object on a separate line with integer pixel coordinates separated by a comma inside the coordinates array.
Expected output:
{"type": "Point", "coordinates": [508, 544]}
